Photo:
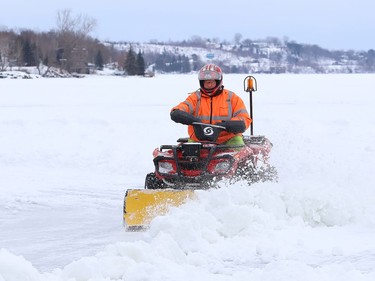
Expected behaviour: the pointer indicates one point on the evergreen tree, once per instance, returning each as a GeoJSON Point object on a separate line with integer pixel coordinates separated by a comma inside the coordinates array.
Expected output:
{"type": "Point", "coordinates": [28, 57]}
{"type": "Point", "coordinates": [185, 64]}
{"type": "Point", "coordinates": [159, 63]}
{"type": "Point", "coordinates": [46, 60]}
{"type": "Point", "coordinates": [140, 64]}
{"type": "Point", "coordinates": [370, 60]}
{"type": "Point", "coordinates": [130, 64]}
{"type": "Point", "coordinates": [99, 60]}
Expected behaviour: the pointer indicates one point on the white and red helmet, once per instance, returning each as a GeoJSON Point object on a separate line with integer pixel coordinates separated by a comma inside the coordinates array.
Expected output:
{"type": "Point", "coordinates": [210, 72]}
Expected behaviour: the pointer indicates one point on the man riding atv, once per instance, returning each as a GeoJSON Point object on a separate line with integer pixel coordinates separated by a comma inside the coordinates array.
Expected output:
{"type": "Point", "coordinates": [213, 104]}
{"type": "Point", "coordinates": [215, 150]}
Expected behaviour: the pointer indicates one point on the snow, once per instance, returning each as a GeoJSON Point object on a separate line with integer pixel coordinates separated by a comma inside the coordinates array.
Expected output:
{"type": "Point", "coordinates": [69, 149]}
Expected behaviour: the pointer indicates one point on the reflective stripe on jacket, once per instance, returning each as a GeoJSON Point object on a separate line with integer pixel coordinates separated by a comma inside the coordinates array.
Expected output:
{"type": "Point", "coordinates": [223, 107]}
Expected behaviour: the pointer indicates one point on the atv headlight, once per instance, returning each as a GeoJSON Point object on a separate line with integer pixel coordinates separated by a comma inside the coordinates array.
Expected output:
{"type": "Point", "coordinates": [165, 167]}
{"type": "Point", "coordinates": [222, 167]}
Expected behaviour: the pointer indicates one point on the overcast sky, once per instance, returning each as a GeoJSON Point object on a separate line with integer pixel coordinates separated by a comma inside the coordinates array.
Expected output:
{"type": "Point", "coordinates": [331, 24]}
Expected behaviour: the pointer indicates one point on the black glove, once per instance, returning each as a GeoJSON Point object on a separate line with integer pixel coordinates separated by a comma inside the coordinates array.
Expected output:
{"type": "Point", "coordinates": [183, 117]}
{"type": "Point", "coordinates": [223, 124]}
{"type": "Point", "coordinates": [233, 126]}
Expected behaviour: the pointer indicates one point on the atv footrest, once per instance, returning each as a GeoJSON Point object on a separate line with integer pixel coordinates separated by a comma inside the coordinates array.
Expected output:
{"type": "Point", "coordinates": [255, 139]}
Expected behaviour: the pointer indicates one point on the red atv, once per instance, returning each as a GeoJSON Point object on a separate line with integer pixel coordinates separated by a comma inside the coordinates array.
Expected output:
{"type": "Point", "coordinates": [201, 165]}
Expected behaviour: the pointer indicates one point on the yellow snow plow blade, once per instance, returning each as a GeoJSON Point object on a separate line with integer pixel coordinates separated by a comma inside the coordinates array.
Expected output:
{"type": "Point", "coordinates": [143, 205]}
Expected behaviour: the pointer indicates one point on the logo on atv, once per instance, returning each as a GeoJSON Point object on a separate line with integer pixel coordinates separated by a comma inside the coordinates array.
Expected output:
{"type": "Point", "coordinates": [208, 131]}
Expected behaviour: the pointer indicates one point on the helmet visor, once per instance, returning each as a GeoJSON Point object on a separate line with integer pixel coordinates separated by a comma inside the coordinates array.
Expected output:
{"type": "Point", "coordinates": [209, 75]}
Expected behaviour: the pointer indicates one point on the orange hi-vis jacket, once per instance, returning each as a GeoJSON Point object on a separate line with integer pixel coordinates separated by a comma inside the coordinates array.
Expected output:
{"type": "Point", "coordinates": [214, 109]}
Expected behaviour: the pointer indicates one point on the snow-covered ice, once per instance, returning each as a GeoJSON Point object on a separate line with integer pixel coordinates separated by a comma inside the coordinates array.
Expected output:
{"type": "Point", "coordinates": [69, 148]}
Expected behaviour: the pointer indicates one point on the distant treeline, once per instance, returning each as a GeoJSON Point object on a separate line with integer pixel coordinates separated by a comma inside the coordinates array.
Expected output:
{"type": "Point", "coordinates": [69, 47]}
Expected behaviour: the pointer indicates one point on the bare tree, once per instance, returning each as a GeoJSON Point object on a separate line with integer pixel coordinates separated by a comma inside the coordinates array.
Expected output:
{"type": "Point", "coordinates": [72, 33]}
{"type": "Point", "coordinates": [237, 38]}
{"type": "Point", "coordinates": [81, 25]}
{"type": "Point", "coordinates": [4, 50]}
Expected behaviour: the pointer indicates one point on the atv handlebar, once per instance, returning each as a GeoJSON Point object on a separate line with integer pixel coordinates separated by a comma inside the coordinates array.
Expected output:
{"type": "Point", "coordinates": [218, 127]}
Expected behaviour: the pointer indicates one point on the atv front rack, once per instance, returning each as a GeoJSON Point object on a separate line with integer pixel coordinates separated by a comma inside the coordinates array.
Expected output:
{"type": "Point", "coordinates": [194, 163]}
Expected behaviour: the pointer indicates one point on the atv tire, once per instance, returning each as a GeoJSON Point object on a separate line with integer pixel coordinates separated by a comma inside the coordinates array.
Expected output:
{"type": "Point", "coordinates": [152, 182]}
